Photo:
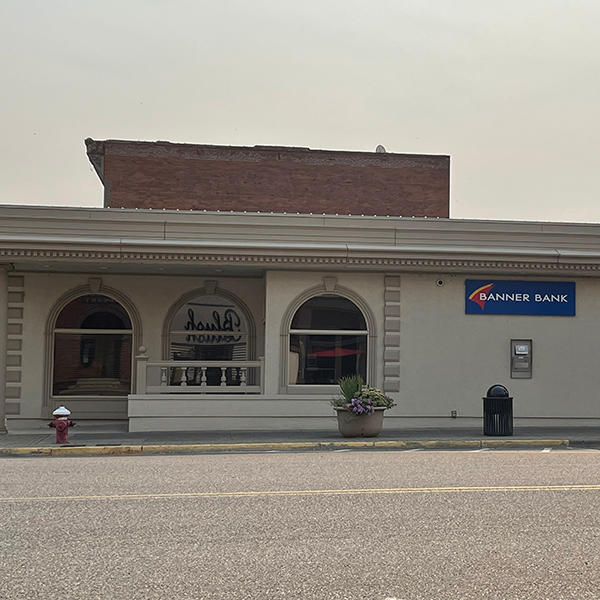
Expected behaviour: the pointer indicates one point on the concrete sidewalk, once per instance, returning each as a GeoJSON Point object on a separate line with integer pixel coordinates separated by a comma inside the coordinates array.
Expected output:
{"type": "Point", "coordinates": [90, 441]}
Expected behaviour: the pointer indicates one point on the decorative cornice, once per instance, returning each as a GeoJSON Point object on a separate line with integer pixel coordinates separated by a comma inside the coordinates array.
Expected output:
{"type": "Point", "coordinates": [554, 263]}
{"type": "Point", "coordinates": [95, 152]}
{"type": "Point", "coordinates": [98, 149]}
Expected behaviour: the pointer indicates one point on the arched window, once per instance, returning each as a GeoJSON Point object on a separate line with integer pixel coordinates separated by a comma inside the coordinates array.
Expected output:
{"type": "Point", "coordinates": [328, 340]}
{"type": "Point", "coordinates": [209, 327]}
{"type": "Point", "coordinates": [92, 348]}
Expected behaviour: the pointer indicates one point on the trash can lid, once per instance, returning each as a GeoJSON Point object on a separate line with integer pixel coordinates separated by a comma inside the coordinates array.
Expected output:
{"type": "Point", "coordinates": [497, 391]}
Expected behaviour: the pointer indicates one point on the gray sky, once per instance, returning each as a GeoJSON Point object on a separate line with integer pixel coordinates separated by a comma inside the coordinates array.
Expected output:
{"type": "Point", "coordinates": [511, 90]}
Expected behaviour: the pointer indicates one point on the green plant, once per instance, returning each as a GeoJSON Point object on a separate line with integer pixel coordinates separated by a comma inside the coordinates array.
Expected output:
{"type": "Point", "coordinates": [359, 398]}
{"type": "Point", "coordinates": [351, 386]}
{"type": "Point", "coordinates": [376, 397]}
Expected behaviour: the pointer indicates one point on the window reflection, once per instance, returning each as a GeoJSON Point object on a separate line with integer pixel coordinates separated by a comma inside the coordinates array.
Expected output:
{"type": "Point", "coordinates": [209, 328]}
{"type": "Point", "coordinates": [324, 359]}
{"type": "Point", "coordinates": [329, 313]}
{"type": "Point", "coordinates": [92, 348]}
{"type": "Point", "coordinates": [324, 354]}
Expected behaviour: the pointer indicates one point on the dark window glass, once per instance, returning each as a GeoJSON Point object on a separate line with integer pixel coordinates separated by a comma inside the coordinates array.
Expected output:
{"type": "Point", "coordinates": [329, 313]}
{"type": "Point", "coordinates": [93, 364]}
{"type": "Point", "coordinates": [93, 311]}
{"type": "Point", "coordinates": [222, 352]}
{"type": "Point", "coordinates": [96, 363]}
{"type": "Point", "coordinates": [215, 330]}
{"type": "Point", "coordinates": [324, 359]}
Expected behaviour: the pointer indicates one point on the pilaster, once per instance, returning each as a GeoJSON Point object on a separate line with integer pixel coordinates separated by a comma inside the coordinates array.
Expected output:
{"type": "Point", "coordinates": [3, 343]}
{"type": "Point", "coordinates": [391, 357]}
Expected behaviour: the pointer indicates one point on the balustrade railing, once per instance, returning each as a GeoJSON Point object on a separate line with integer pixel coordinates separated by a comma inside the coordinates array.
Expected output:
{"type": "Point", "coordinates": [198, 376]}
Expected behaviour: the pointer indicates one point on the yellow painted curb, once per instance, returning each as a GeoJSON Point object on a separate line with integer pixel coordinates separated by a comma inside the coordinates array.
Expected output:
{"type": "Point", "coordinates": [94, 450]}
{"type": "Point", "coordinates": [71, 451]}
{"type": "Point", "coordinates": [227, 447]}
{"type": "Point", "coordinates": [505, 443]}
{"type": "Point", "coordinates": [428, 444]}
{"type": "Point", "coordinates": [27, 451]}
{"type": "Point", "coordinates": [279, 446]}
{"type": "Point", "coordinates": [346, 444]}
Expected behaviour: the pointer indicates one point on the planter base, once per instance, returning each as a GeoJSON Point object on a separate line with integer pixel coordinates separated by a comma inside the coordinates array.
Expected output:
{"type": "Point", "coordinates": [353, 425]}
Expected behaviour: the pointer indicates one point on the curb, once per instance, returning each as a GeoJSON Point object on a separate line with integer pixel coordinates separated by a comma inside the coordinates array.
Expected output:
{"type": "Point", "coordinates": [282, 446]}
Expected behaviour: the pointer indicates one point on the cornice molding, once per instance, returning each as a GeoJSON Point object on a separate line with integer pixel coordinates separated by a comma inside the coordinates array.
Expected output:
{"type": "Point", "coordinates": [554, 263]}
{"type": "Point", "coordinates": [174, 150]}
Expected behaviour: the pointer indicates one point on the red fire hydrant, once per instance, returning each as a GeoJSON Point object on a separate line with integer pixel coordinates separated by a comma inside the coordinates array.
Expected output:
{"type": "Point", "coordinates": [61, 423]}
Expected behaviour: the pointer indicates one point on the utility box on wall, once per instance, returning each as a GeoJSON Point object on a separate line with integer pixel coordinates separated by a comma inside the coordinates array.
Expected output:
{"type": "Point", "coordinates": [521, 359]}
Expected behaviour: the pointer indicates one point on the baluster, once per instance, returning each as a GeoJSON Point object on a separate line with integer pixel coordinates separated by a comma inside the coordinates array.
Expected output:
{"type": "Point", "coordinates": [163, 376]}
{"type": "Point", "coordinates": [243, 372]}
{"type": "Point", "coordinates": [262, 374]}
{"type": "Point", "coordinates": [183, 382]}
{"type": "Point", "coordinates": [223, 376]}
{"type": "Point", "coordinates": [142, 367]}
{"type": "Point", "coordinates": [203, 377]}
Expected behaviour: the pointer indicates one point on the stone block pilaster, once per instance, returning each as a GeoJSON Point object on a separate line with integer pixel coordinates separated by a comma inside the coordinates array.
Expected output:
{"type": "Point", "coordinates": [391, 357]}
{"type": "Point", "coordinates": [14, 344]}
{"type": "Point", "coordinates": [3, 340]}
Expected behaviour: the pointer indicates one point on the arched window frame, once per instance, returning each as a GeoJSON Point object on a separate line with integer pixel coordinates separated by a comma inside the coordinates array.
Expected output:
{"type": "Point", "coordinates": [94, 287]}
{"type": "Point", "coordinates": [210, 289]}
{"type": "Point", "coordinates": [324, 290]}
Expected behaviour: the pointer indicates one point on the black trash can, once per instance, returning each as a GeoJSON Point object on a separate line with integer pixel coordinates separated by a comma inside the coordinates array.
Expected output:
{"type": "Point", "coordinates": [497, 411]}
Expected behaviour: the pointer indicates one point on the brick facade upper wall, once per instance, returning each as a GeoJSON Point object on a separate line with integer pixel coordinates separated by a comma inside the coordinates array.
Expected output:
{"type": "Point", "coordinates": [278, 179]}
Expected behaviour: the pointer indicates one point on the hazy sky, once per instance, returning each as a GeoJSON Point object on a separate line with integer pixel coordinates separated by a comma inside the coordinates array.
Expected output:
{"type": "Point", "coordinates": [510, 90]}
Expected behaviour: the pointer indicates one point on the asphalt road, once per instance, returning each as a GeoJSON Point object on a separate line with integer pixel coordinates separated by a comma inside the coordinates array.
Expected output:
{"type": "Point", "coordinates": [336, 525]}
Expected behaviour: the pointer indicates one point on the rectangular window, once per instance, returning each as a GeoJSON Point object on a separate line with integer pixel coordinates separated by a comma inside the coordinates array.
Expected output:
{"type": "Point", "coordinates": [324, 359]}
{"type": "Point", "coordinates": [92, 364]}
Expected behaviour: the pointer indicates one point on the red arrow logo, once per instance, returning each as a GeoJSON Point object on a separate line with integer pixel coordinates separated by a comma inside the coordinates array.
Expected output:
{"type": "Point", "coordinates": [479, 295]}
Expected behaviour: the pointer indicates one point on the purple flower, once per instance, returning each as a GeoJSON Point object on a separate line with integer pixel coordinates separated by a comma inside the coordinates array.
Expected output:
{"type": "Point", "coordinates": [360, 406]}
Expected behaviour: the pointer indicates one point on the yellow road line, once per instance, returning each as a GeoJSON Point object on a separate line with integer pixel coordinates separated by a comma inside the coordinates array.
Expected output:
{"type": "Point", "coordinates": [349, 492]}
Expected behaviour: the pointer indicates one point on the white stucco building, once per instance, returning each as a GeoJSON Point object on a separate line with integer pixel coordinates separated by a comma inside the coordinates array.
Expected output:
{"type": "Point", "coordinates": [195, 319]}
{"type": "Point", "coordinates": [82, 291]}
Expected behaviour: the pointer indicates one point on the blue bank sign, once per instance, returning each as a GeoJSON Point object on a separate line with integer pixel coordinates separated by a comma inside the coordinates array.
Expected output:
{"type": "Point", "coordinates": [501, 297]}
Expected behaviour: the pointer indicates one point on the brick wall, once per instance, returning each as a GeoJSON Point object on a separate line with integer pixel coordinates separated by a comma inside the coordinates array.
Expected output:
{"type": "Point", "coordinates": [185, 176]}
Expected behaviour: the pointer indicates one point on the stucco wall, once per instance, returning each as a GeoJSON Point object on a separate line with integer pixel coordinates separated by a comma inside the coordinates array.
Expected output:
{"type": "Point", "coordinates": [283, 288]}
{"type": "Point", "coordinates": [449, 359]}
{"type": "Point", "coordinates": [152, 296]}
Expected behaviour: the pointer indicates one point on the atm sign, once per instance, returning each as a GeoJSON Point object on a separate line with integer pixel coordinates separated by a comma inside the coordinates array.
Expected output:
{"type": "Point", "coordinates": [503, 297]}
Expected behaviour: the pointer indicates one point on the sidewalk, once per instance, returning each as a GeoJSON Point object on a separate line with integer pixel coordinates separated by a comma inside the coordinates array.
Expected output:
{"type": "Point", "coordinates": [93, 442]}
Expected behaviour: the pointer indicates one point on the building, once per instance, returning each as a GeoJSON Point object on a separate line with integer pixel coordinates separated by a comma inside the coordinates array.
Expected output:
{"type": "Point", "coordinates": [226, 315]}
{"type": "Point", "coordinates": [277, 179]}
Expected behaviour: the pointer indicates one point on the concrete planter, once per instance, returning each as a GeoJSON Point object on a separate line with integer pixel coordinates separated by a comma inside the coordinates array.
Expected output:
{"type": "Point", "coordinates": [353, 425]}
